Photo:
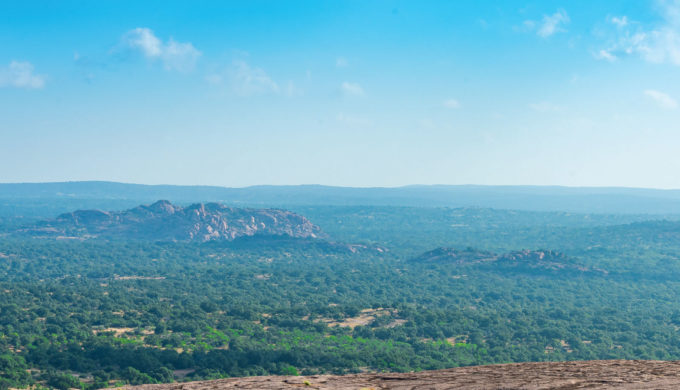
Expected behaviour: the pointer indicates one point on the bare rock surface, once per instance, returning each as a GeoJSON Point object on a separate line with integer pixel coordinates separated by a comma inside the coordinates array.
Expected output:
{"type": "Point", "coordinates": [602, 374]}
{"type": "Point", "coordinates": [167, 222]}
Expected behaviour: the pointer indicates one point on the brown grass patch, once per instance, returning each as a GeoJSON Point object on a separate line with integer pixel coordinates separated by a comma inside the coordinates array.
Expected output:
{"type": "Point", "coordinates": [117, 332]}
{"type": "Point", "coordinates": [365, 317]}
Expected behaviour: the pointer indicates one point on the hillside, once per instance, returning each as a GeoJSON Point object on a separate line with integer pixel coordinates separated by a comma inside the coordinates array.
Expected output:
{"type": "Point", "coordinates": [163, 221]}
{"type": "Point", "coordinates": [603, 374]}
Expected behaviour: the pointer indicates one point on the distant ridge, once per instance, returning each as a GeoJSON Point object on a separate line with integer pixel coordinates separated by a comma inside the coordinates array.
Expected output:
{"type": "Point", "coordinates": [533, 198]}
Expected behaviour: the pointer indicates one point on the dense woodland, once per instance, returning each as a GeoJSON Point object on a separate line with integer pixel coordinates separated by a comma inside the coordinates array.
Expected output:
{"type": "Point", "coordinates": [97, 313]}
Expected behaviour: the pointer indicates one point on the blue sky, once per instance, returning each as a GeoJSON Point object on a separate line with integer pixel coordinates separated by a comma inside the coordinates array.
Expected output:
{"type": "Point", "coordinates": [352, 93]}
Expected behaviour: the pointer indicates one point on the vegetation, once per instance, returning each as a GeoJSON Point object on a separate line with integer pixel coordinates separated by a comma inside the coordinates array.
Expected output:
{"type": "Point", "coordinates": [97, 313]}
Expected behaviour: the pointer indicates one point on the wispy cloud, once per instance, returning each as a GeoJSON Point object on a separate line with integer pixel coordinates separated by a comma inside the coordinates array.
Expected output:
{"type": "Point", "coordinates": [662, 99]}
{"type": "Point", "coordinates": [351, 89]}
{"type": "Point", "coordinates": [549, 25]}
{"type": "Point", "coordinates": [292, 90]}
{"type": "Point", "coordinates": [451, 103]}
{"type": "Point", "coordinates": [21, 75]}
{"type": "Point", "coordinates": [621, 21]}
{"type": "Point", "coordinates": [605, 55]}
{"type": "Point", "coordinates": [341, 62]}
{"type": "Point", "coordinates": [659, 43]}
{"type": "Point", "coordinates": [180, 56]}
{"type": "Point", "coordinates": [552, 24]}
{"type": "Point", "coordinates": [249, 80]}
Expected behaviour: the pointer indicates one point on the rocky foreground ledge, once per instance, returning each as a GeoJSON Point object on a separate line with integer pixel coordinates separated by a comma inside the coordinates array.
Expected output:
{"type": "Point", "coordinates": [601, 374]}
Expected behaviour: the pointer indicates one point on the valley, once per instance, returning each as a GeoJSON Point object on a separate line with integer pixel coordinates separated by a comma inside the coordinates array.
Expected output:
{"type": "Point", "coordinates": [328, 290]}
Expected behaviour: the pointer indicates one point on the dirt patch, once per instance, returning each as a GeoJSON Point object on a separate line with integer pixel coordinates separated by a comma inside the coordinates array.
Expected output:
{"type": "Point", "coordinates": [364, 318]}
{"type": "Point", "coordinates": [117, 332]}
{"type": "Point", "coordinates": [565, 345]}
{"type": "Point", "coordinates": [395, 323]}
{"type": "Point", "coordinates": [460, 339]}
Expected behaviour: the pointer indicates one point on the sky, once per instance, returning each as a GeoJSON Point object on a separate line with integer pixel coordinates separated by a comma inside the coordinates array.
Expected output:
{"type": "Point", "coordinates": [348, 93]}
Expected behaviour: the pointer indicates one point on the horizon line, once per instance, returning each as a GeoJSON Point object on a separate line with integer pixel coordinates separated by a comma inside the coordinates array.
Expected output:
{"type": "Point", "coordinates": [351, 187]}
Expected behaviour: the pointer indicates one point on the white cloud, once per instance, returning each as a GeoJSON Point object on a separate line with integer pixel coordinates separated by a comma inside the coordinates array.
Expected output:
{"type": "Point", "coordinates": [546, 107]}
{"type": "Point", "coordinates": [353, 89]}
{"type": "Point", "coordinates": [144, 40]}
{"type": "Point", "coordinates": [619, 21]}
{"type": "Point", "coordinates": [605, 55]}
{"type": "Point", "coordinates": [341, 62]}
{"type": "Point", "coordinates": [552, 24]}
{"type": "Point", "coordinates": [659, 43]}
{"type": "Point", "coordinates": [180, 56]}
{"type": "Point", "coordinates": [247, 80]}
{"type": "Point", "coordinates": [20, 75]}
{"type": "Point", "coordinates": [451, 103]}
{"type": "Point", "coordinates": [662, 99]}
{"type": "Point", "coordinates": [548, 26]}
{"type": "Point", "coordinates": [174, 55]}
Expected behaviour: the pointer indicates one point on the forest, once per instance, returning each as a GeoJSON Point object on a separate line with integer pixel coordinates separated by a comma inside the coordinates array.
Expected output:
{"type": "Point", "coordinates": [94, 313]}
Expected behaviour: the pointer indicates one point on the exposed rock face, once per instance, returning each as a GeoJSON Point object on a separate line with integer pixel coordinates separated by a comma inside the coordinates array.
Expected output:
{"type": "Point", "coordinates": [167, 222]}
{"type": "Point", "coordinates": [602, 374]}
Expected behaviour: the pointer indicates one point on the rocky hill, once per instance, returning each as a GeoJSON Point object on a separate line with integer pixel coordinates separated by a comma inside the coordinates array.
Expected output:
{"type": "Point", "coordinates": [545, 259]}
{"type": "Point", "coordinates": [163, 221]}
{"type": "Point", "coordinates": [603, 374]}
{"type": "Point", "coordinates": [522, 260]}
{"type": "Point", "coordinates": [456, 256]}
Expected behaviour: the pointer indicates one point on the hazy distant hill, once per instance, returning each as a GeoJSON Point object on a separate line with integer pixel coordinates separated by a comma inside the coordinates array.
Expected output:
{"type": "Point", "coordinates": [167, 222]}
{"type": "Point", "coordinates": [522, 260]}
{"type": "Point", "coordinates": [551, 198]}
